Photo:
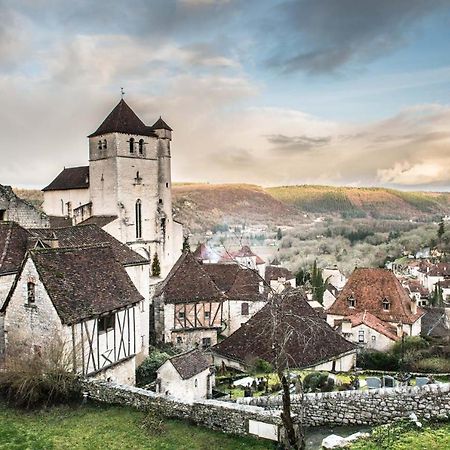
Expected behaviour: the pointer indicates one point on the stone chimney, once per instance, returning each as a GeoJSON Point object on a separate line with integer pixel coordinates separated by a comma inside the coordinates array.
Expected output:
{"type": "Point", "coordinates": [399, 329]}
{"type": "Point", "coordinates": [414, 305]}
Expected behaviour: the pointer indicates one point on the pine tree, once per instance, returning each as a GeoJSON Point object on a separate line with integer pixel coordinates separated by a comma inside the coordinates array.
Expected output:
{"type": "Point", "coordinates": [318, 284]}
{"type": "Point", "coordinates": [156, 267]}
{"type": "Point", "coordinates": [186, 245]}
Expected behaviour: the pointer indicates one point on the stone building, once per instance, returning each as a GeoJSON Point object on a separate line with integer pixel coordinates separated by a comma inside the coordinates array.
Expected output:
{"type": "Point", "coordinates": [378, 292]}
{"type": "Point", "coordinates": [188, 376]}
{"type": "Point", "coordinates": [14, 209]}
{"type": "Point", "coordinates": [83, 297]}
{"type": "Point", "coordinates": [126, 188]}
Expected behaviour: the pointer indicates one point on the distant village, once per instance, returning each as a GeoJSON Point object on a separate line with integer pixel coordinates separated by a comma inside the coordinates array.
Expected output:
{"type": "Point", "coordinates": [107, 268]}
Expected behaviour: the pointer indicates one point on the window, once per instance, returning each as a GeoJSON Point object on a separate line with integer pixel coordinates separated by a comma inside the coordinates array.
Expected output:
{"type": "Point", "coordinates": [244, 309]}
{"type": "Point", "coordinates": [131, 141]}
{"type": "Point", "coordinates": [181, 314]}
{"type": "Point", "coordinates": [141, 146]}
{"type": "Point", "coordinates": [31, 293]}
{"type": "Point", "coordinates": [361, 336]}
{"type": "Point", "coordinates": [138, 219]}
{"type": "Point", "coordinates": [207, 315]}
{"type": "Point", "coordinates": [351, 301]}
{"type": "Point", "coordinates": [179, 340]}
{"type": "Point", "coordinates": [196, 383]}
{"type": "Point", "coordinates": [69, 209]}
{"type": "Point", "coordinates": [163, 226]}
{"type": "Point", "coordinates": [160, 201]}
{"type": "Point", "coordinates": [386, 305]}
{"type": "Point", "coordinates": [99, 145]}
{"type": "Point", "coordinates": [206, 342]}
{"type": "Point", "coordinates": [106, 323]}
{"type": "Point", "coordinates": [167, 184]}
{"type": "Point", "coordinates": [2, 214]}
{"type": "Point", "coordinates": [105, 144]}
{"type": "Point", "coordinates": [374, 338]}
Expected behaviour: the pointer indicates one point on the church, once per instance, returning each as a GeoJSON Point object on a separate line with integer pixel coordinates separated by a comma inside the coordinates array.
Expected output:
{"type": "Point", "coordinates": [125, 189]}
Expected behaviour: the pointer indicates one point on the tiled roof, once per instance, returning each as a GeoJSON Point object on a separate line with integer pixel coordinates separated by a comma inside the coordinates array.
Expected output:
{"type": "Point", "coordinates": [190, 363]}
{"type": "Point", "coordinates": [100, 221]}
{"type": "Point", "coordinates": [246, 251]}
{"type": "Point", "coordinates": [373, 322]}
{"type": "Point", "coordinates": [84, 282]}
{"type": "Point", "coordinates": [435, 323]}
{"type": "Point", "coordinates": [70, 178]}
{"type": "Point", "coordinates": [59, 222]}
{"type": "Point", "coordinates": [188, 282]}
{"type": "Point", "coordinates": [88, 235]}
{"type": "Point", "coordinates": [13, 246]}
{"type": "Point", "coordinates": [416, 286]}
{"type": "Point", "coordinates": [369, 287]}
{"type": "Point", "coordinates": [122, 119]}
{"type": "Point", "coordinates": [160, 125]}
{"type": "Point", "coordinates": [275, 272]}
{"type": "Point", "coordinates": [439, 270]}
{"type": "Point", "coordinates": [307, 339]}
{"type": "Point", "coordinates": [223, 275]}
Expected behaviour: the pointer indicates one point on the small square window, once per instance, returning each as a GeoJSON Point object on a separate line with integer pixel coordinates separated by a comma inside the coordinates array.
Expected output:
{"type": "Point", "coordinates": [207, 314]}
{"type": "Point", "coordinates": [106, 323]}
{"type": "Point", "coordinates": [181, 314]}
{"type": "Point", "coordinates": [206, 342]}
{"type": "Point", "coordinates": [179, 340]}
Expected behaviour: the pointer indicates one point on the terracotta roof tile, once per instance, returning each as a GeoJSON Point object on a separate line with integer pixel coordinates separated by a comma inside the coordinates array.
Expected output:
{"type": "Point", "coordinates": [375, 323]}
{"type": "Point", "coordinates": [369, 287]}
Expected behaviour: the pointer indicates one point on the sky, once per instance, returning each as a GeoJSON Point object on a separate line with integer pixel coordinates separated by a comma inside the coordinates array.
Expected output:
{"type": "Point", "coordinates": [340, 92]}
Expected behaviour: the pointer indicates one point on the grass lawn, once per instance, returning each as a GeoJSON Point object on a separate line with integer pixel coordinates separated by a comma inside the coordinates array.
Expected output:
{"type": "Point", "coordinates": [107, 427]}
{"type": "Point", "coordinates": [431, 437]}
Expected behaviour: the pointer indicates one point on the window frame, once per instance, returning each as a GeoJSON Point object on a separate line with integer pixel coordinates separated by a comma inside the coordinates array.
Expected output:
{"type": "Point", "coordinates": [108, 323]}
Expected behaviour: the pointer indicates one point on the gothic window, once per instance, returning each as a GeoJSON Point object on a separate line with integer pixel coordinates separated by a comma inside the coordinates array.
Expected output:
{"type": "Point", "coordinates": [104, 143]}
{"type": "Point", "coordinates": [138, 179]}
{"type": "Point", "coordinates": [244, 309]}
{"type": "Point", "coordinates": [351, 301]}
{"type": "Point", "coordinates": [99, 145]}
{"type": "Point", "coordinates": [386, 305]}
{"type": "Point", "coordinates": [131, 145]}
{"type": "Point", "coordinates": [106, 323]}
{"type": "Point", "coordinates": [361, 336]}
{"type": "Point", "coordinates": [138, 218]}
{"type": "Point", "coordinates": [31, 293]}
{"type": "Point", "coordinates": [141, 146]}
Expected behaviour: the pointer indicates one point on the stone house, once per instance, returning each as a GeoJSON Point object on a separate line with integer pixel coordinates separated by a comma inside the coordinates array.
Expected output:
{"type": "Point", "coordinates": [126, 189]}
{"type": "Point", "coordinates": [378, 292]}
{"type": "Point", "coordinates": [83, 296]}
{"type": "Point", "coordinates": [188, 376]}
{"type": "Point", "coordinates": [289, 331]}
{"type": "Point", "coordinates": [14, 209]}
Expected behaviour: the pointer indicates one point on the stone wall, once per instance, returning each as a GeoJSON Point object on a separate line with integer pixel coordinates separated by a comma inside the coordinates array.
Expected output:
{"type": "Point", "coordinates": [376, 406]}
{"type": "Point", "coordinates": [221, 416]}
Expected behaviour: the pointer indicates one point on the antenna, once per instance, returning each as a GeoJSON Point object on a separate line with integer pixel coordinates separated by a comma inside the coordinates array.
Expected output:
{"type": "Point", "coordinates": [122, 92]}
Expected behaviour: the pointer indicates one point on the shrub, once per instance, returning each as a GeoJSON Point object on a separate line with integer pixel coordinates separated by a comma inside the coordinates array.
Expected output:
{"type": "Point", "coordinates": [32, 379]}
{"type": "Point", "coordinates": [411, 344]}
{"type": "Point", "coordinates": [432, 365]}
{"type": "Point", "coordinates": [146, 372]}
{"type": "Point", "coordinates": [318, 381]}
{"type": "Point", "coordinates": [376, 360]}
{"type": "Point", "coordinates": [261, 366]}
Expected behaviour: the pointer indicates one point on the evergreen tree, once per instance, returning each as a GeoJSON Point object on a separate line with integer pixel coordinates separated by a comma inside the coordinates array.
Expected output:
{"type": "Point", "coordinates": [186, 245]}
{"type": "Point", "coordinates": [437, 298]}
{"type": "Point", "coordinates": [318, 284]}
{"type": "Point", "coordinates": [302, 277]}
{"type": "Point", "coordinates": [441, 230]}
{"type": "Point", "coordinates": [156, 267]}
{"type": "Point", "coordinates": [279, 234]}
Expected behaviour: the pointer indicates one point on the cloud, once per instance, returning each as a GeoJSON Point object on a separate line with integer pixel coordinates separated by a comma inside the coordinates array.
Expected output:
{"type": "Point", "coordinates": [297, 143]}
{"type": "Point", "coordinates": [324, 36]}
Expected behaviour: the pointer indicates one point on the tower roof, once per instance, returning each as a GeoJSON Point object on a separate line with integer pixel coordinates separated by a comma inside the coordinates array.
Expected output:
{"type": "Point", "coordinates": [122, 119]}
{"type": "Point", "coordinates": [161, 125]}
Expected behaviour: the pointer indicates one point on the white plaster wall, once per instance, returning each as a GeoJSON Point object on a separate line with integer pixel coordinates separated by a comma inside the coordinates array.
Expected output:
{"type": "Point", "coordinates": [233, 316]}
{"type": "Point", "coordinates": [53, 201]}
{"type": "Point", "coordinates": [343, 364]}
{"type": "Point", "coordinates": [173, 384]}
{"type": "Point", "coordinates": [381, 342]}
{"type": "Point", "coordinates": [328, 299]}
{"type": "Point", "coordinates": [336, 278]}
{"type": "Point", "coordinates": [122, 373]}
{"type": "Point", "coordinates": [6, 282]}
{"type": "Point", "coordinates": [332, 317]}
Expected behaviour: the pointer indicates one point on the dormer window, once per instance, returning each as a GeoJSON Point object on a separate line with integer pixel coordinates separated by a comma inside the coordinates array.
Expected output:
{"type": "Point", "coordinates": [386, 304]}
{"type": "Point", "coordinates": [105, 144]}
{"type": "Point", "coordinates": [141, 146]}
{"type": "Point", "coordinates": [351, 302]}
{"type": "Point", "coordinates": [131, 145]}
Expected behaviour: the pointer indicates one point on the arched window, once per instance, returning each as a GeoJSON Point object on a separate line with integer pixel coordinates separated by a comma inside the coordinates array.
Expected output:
{"type": "Point", "coordinates": [138, 219]}
{"type": "Point", "coordinates": [141, 146]}
{"type": "Point", "coordinates": [131, 145]}
{"type": "Point", "coordinates": [104, 143]}
{"type": "Point", "coordinates": [99, 145]}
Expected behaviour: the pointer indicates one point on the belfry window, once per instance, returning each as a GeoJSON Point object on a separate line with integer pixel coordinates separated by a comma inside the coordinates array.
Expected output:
{"type": "Point", "coordinates": [138, 219]}
{"type": "Point", "coordinates": [105, 144]}
{"type": "Point", "coordinates": [141, 146]}
{"type": "Point", "coordinates": [99, 145]}
{"type": "Point", "coordinates": [131, 145]}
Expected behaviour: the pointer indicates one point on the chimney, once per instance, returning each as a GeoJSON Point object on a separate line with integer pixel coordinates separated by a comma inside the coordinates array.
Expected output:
{"type": "Point", "coordinates": [414, 305]}
{"type": "Point", "coordinates": [346, 326]}
{"type": "Point", "coordinates": [399, 329]}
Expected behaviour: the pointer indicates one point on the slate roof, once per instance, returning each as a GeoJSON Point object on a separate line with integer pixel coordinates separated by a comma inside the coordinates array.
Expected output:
{"type": "Point", "coordinates": [275, 272]}
{"type": "Point", "coordinates": [288, 318]}
{"type": "Point", "coordinates": [435, 323]}
{"type": "Point", "coordinates": [70, 178]}
{"type": "Point", "coordinates": [59, 222]}
{"type": "Point", "coordinates": [161, 125]}
{"type": "Point", "coordinates": [375, 323]}
{"type": "Point", "coordinates": [88, 235]}
{"type": "Point", "coordinates": [13, 246]}
{"type": "Point", "coordinates": [100, 221]}
{"type": "Point", "coordinates": [188, 282]}
{"type": "Point", "coordinates": [190, 363]}
{"type": "Point", "coordinates": [84, 282]}
{"type": "Point", "coordinates": [122, 119]}
{"type": "Point", "coordinates": [369, 287]}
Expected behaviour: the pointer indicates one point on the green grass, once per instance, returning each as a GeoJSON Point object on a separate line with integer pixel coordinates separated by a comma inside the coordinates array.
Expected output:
{"type": "Point", "coordinates": [435, 437]}
{"type": "Point", "coordinates": [107, 427]}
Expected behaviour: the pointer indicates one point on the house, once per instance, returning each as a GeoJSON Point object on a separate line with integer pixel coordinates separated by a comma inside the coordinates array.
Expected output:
{"type": "Point", "coordinates": [330, 295]}
{"type": "Point", "coordinates": [378, 292]}
{"type": "Point", "coordinates": [188, 376]}
{"type": "Point", "coordinates": [278, 277]}
{"type": "Point", "coordinates": [368, 331]}
{"type": "Point", "coordinates": [289, 331]}
{"type": "Point", "coordinates": [188, 306]}
{"type": "Point", "coordinates": [206, 254]}
{"type": "Point", "coordinates": [417, 291]}
{"type": "Point", "coordinates": [436, 323]}
{"type": "Point", "coordinates": [126, 188]}
{"type": "Point", "coordinates": [334, 276]}
{"type": "Point", "coordinates": [433, 273]}
{"type": "Point", "coordinates": [82, 296]}
{"type": "Point", "coordinates": [246, 258]}
{"type": "Point", "coordinates": [15, 209]}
